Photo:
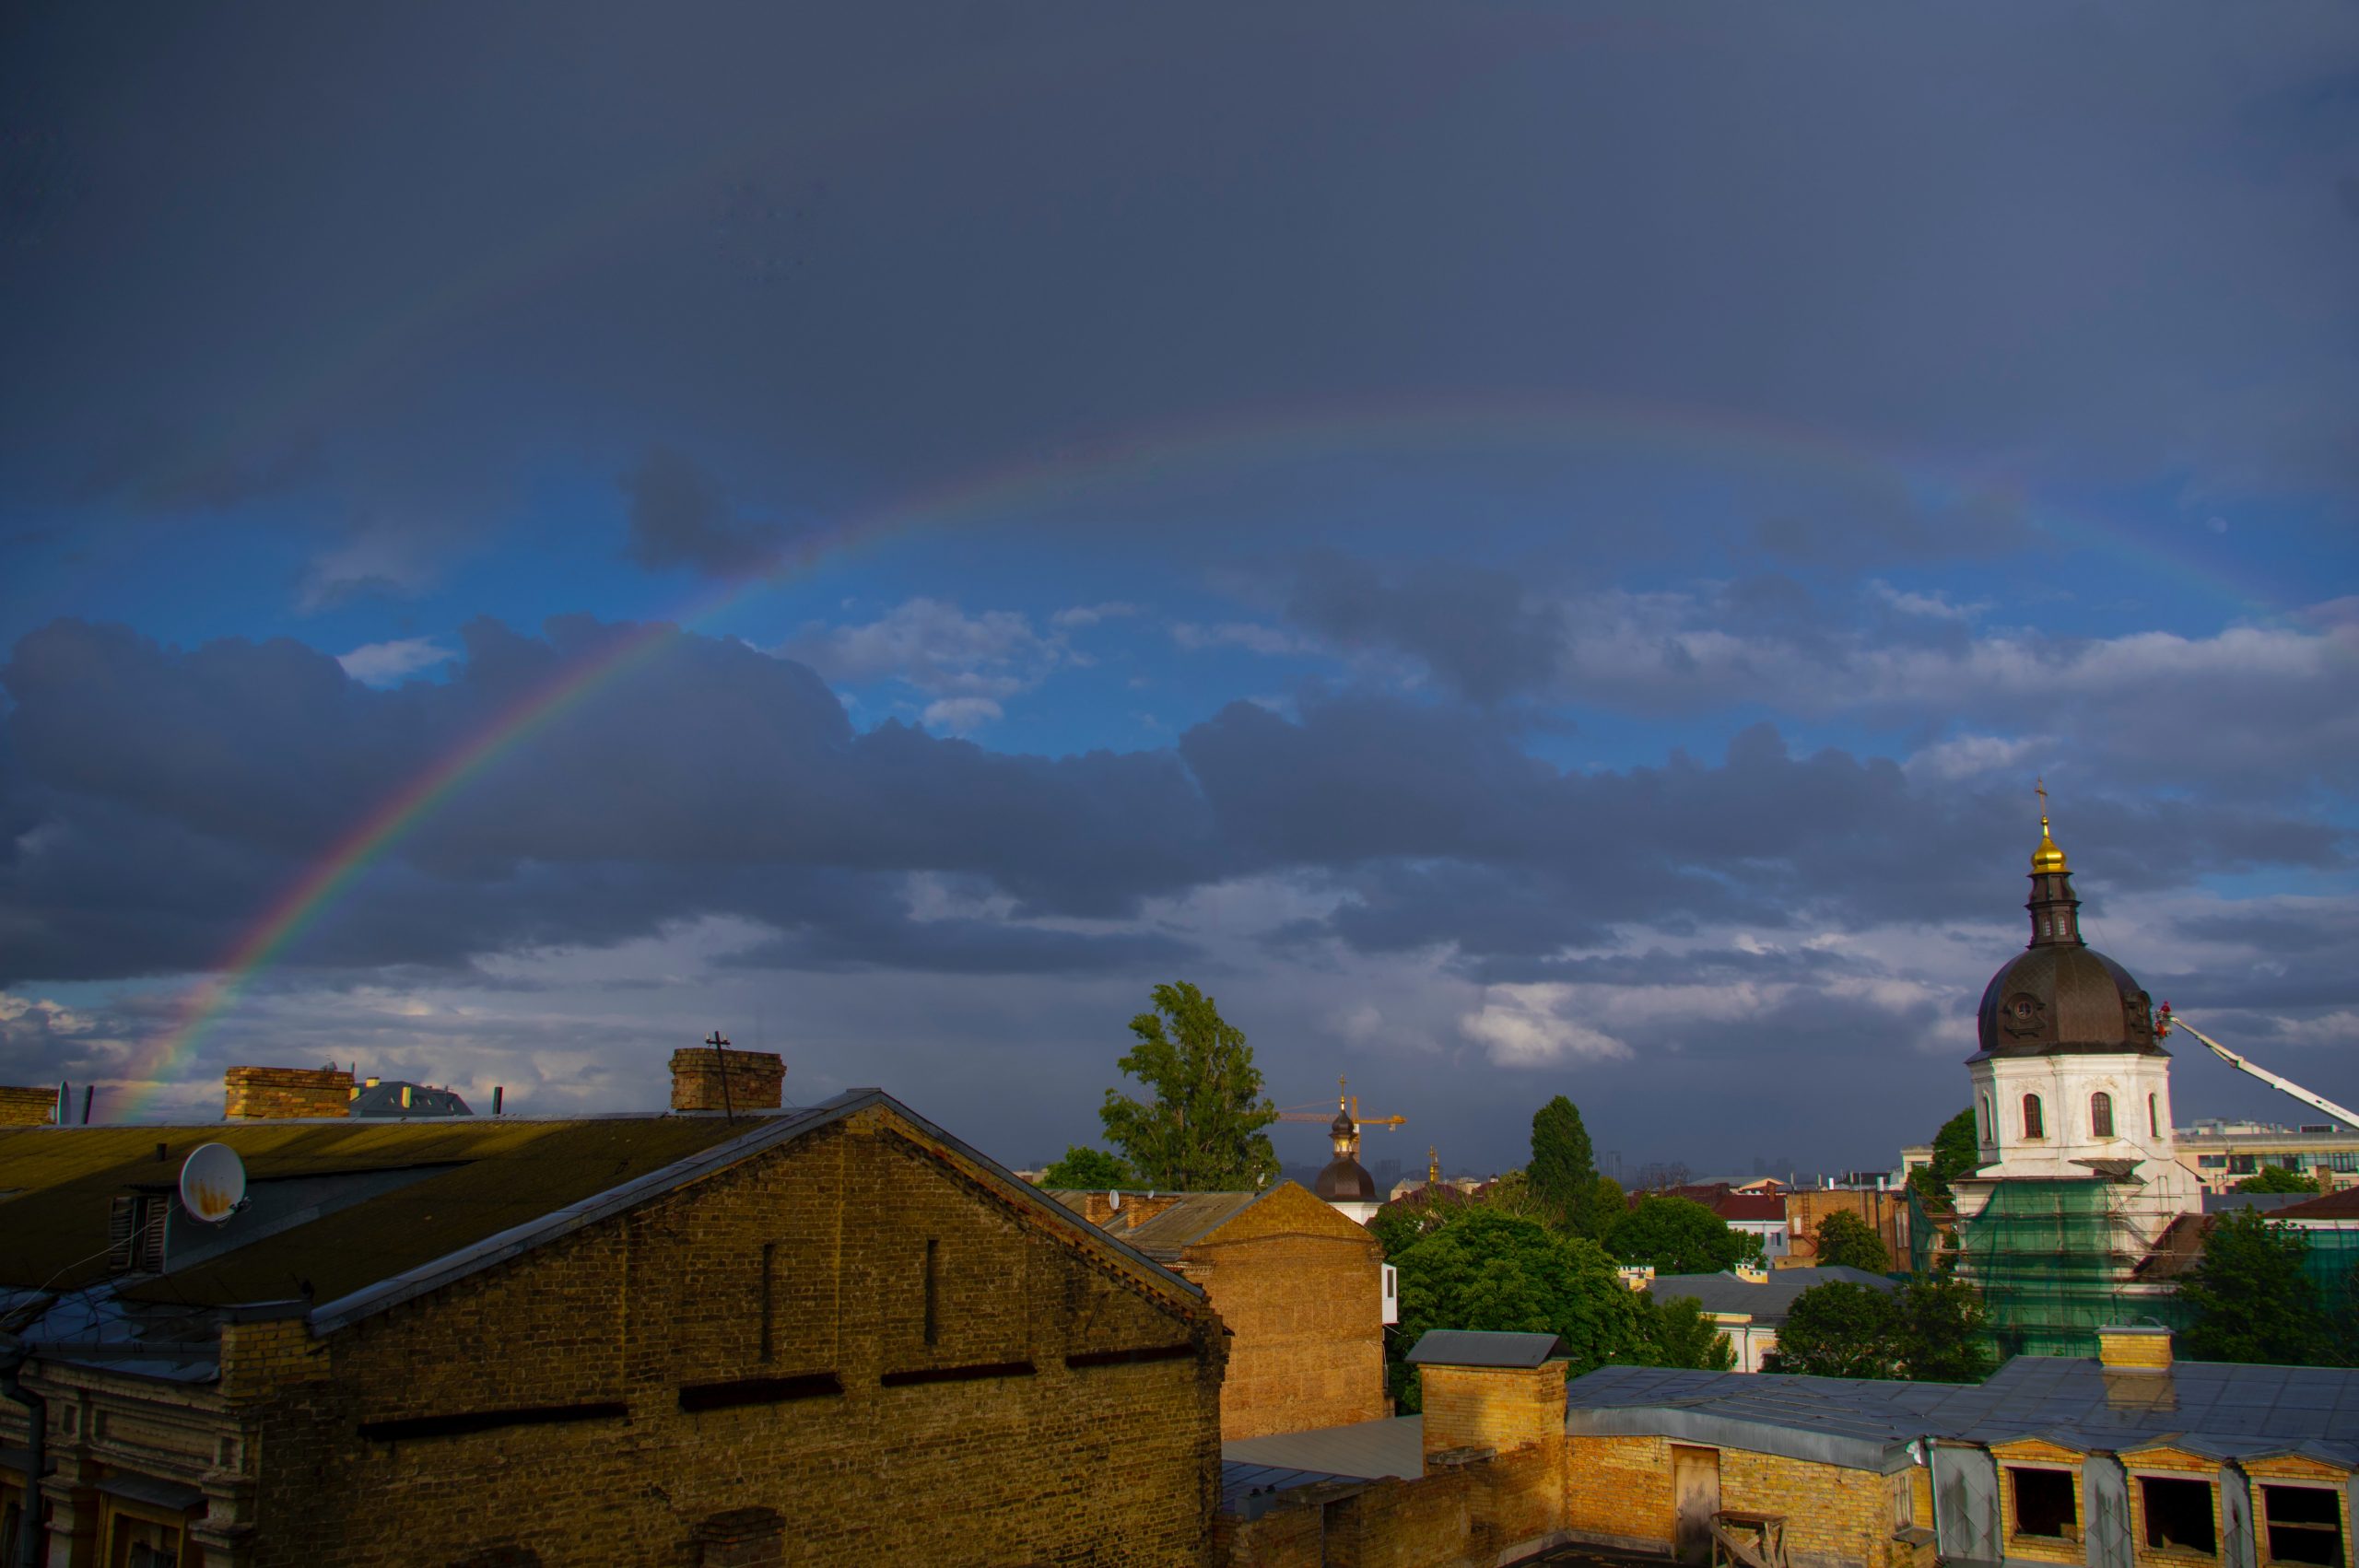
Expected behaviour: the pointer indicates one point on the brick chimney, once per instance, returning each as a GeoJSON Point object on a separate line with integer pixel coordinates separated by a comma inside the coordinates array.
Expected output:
{"type": "Point", "coordinates": [1486, 1390]}
{"type": "Point", "coordinates": [756, 1079]}
{"type": "Point", "coordinates": [260, 1094]}
{"type": "Point", "coordinates": [2134, 1347]}
{"type": "Point", "coordinates": [27, 1107]}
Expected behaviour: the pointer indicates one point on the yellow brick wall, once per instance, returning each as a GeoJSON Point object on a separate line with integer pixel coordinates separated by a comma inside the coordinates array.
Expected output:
{"type": "Point", "coordinates": [1619, 1490]}
{"type": "Point", "coordinates": [1300, 1288]}
{"type": "Point", "coordinates": [2125, 1351]}
{"type": "Point", "coordinates": [260, 1092]}
{"type": "Point", "coordinates": [707, 1080]}
{"type": "Point", "coordinates": [2174, 1465]}
{"type": "Point", "coordinates": [1471, 1514]}
{"type": "Point", "coordinates": [1115, 1464]}
{"type": "Point", "coordinates": [27, 1107]}
{"type": "Point", "coordinates": [1484, 1407]}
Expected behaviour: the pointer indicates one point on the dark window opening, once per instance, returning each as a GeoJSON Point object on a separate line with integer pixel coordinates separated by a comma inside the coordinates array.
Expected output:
{"type": "Point", "coordinates": [2242, 1165]}
{"type": "Point", "coordinates": [769, 1300]}
{"type": "Point", "coordinates": [2033, 1128]}
{"type": "Point", "coordinates": [759, 1391]}
{"type": "Point", "coordinates": [933, 1291]}
{"type": "Point", "coordinates": [2044, 1504]}
{"type": "Point", "coordinates": [2304, 1525]}
{"type": "Point", "coordinates": [468, 1421]}
{"type": "Point", "coordinates": [2101, 1114]}
{"type": "Point", "coordinates": [2154, 1118]}
{"type": "Point", "coordinates": [135, 1234]}
{"type": "Point", "coordinates": [2178, 1515]}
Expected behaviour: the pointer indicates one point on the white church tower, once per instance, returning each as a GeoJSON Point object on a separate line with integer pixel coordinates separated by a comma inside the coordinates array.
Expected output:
{"type": "Point", "coordinates": [2069, 1083]}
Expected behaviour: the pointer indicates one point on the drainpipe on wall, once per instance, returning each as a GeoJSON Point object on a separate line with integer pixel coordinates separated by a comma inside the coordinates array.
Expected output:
{"type": "Point", "coordinates": [29, 1524]}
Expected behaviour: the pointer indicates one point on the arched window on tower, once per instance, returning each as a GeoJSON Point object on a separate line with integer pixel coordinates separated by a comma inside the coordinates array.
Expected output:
{"type": "Point", "coordinates": [2032, 1125]}
{"type": "Point", "coordinates": [2154, 1118]}
{"type": "Point", "coordinates": [2101, 1114]}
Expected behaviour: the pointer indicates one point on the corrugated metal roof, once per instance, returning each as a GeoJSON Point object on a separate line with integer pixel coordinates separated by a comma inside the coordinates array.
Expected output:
{"type": "Point", "coordinates": [2230, 1410]}
{"type": "Point", "coordinates": [1474, 1346]}
{"type": "Point", "coordinates": [1769, 1301]}
{"type": "Point", "coordinates": [1164, 1235]}
{"type": "Point", "coordinates": [1367, 1450]}
{"type": "Point", "coordinates": [512, 1185]}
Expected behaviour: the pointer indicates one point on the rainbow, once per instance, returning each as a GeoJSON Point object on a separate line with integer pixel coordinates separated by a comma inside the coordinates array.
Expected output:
{"type": "Point", "coordinates": [1153, 455]}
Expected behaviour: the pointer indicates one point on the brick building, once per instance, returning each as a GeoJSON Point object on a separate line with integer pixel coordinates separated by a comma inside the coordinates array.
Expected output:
{"type": "Point", "coordinates": [2124, 1460]}
{"type": "Point", "coordinates": [811, 1336]}
{"type": "Point", "coordinates": [1300, 1287]}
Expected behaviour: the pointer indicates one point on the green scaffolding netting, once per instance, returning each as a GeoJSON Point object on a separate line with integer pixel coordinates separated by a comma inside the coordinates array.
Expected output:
{"type": "Point", "coordinates": [2054, 1261]}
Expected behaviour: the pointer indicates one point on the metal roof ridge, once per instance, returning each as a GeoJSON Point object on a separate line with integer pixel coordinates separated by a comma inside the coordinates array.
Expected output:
{"type": "Point", "coordinates": [501, 1245]}
{"type": "Point", "coordinates": [395, 1289]}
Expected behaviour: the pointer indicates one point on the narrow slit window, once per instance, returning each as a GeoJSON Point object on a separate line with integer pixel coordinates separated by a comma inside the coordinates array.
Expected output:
{"type": "Point", "coordinates": [1985, 1119]}
{"type": "Point", "coordinates": [2154, 1118]}
{"type": "Point", "coordinates": [770, 1301]}
{"type": "Point", "coordinates": [933, 1291]}
{"type": "Point", "coordinates": [2033, 1124]}
{"type": "Point", "coordinates": [2178, 1515]}
{"type": "Point", "coordinates": [2101, 1114]}
{"type": "Point", "coordinates": [2304, 1525]}
{"type": "Point", "coordinates": [2044, 1504]}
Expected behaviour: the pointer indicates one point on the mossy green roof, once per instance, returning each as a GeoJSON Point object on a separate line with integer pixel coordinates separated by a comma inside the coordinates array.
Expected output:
{"type": "Point", "coordinates": [57, 1185]}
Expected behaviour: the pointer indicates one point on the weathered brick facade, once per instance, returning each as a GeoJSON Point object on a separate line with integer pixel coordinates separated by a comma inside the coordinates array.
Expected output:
{"type": "Point", "coordinates": [977, 1418]}
{"type": "Point", "coordinates": [709, 1079]}
{"type": "Point", "coordinates": [260, 1092]}
{"type": "Point", "coordinates": [1886, 1212]}
{"type": "Point", "coordinates": [1299, 1287]}
{"type": "Point", "coordinates": [27, 1107]}
{"type": "Point", "coordinates": [1492, 1407]}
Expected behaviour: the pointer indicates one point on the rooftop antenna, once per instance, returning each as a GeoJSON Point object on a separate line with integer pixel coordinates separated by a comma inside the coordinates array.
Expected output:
{"type": "Point", "coordinates": [720, 1045]}
{"type": "Point", "coordinates": [213, 1183]}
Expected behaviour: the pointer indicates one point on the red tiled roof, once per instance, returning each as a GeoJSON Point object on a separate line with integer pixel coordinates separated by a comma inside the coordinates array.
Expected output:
{"type": "Point", "coordinates": [1751, 1206]}
{"type": "Point", "coordinates": [2342, 1205]}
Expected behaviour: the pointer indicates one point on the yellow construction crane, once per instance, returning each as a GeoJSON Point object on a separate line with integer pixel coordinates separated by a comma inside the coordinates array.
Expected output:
{"type": "Point", "coordinates": [1346, 1102]}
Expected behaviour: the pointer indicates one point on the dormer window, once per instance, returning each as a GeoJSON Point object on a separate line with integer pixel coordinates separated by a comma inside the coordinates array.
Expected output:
{"type": "Point", "coordinates": [135, 1233]}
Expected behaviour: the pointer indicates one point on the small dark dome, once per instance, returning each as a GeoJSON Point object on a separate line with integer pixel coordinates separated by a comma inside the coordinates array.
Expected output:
{"type": "Point", "coordinates": [1345, 1180]}
{"type": "Point", "coordinates": [1342, 1126]}
{"type": "Point", "coordinates": [2052, 999]}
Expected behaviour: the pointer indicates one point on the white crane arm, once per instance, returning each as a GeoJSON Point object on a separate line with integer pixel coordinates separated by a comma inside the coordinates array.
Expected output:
{"type": "Point", "coordinates": [2347, 1116]}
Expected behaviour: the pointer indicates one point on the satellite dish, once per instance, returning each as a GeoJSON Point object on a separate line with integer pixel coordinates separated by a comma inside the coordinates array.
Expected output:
{"type": "Point", "coordinates": [213, 1183]}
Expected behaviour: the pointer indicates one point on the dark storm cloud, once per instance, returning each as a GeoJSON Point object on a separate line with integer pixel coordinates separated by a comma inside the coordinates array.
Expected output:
{"type": "Point", "coordinates": [678, 517]}
{"type": "Point", "coordinates": [1472, 625]}
{"type": "Point", "coordinates": [162, 798]}
{"type": "Point", "coordinates": [428, 244]}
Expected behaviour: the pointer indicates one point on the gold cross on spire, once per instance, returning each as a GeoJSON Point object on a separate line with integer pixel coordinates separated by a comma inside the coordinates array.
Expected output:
{"type": "Point", "coordinates": [2047, 857]}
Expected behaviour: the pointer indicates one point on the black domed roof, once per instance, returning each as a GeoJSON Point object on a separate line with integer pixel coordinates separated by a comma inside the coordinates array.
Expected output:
{"type": "Point", "coordinates": [2056, 998]}
{"type": "Point", "coordinates": [2060, 995]}
{"type": "Point", "coordinates": [1345, 1180]}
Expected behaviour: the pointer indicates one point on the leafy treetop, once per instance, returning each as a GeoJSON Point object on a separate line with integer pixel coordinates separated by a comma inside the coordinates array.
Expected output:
{"type": "Point", "coordinates": [1563, 1172]}
{"type": "Point", "coordinates": [1678, 1235]}
{"type": "Point", "coordinates": [1957, 1151]}
{"type": "Point", "coordinates": [1926, 1331]}
{"type": "Point", "coordinates": [1846, 1240]}
{"type": "Point", "coordinates": [2254, 1301]}
{"type": "Point", "coordinates": [1202, 1131]}
{"type": "Point", "coordinates": [1085, 1169]}
{"type": "Point", "coordinates": [2277, 1179]}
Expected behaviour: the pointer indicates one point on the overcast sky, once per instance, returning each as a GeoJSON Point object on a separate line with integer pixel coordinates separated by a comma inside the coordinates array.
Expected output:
{"type": "Point", "coordinates": [1529, 549]}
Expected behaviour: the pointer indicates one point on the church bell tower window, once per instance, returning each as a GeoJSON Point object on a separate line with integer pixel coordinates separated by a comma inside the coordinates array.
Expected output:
{"type": "Point", "coordinates": [2032, 1125]}
{"type": "Point", "coordinates": [2101, 1114]}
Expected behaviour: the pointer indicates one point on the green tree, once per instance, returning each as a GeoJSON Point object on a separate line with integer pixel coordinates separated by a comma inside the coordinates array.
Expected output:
{"type": "Point", "coordinates": [2252, 1299]}
{"type": "Point", "coordinates": [1483, 1269]}
{"type": "Point", "coordinates": [1928, 1331]}
{"type": "Point", "coordinates": [2277, 1179]}
{"type": "Point", "coordinates": [1676, 1333]}
{"type": "Point", "coordinates": [1203, 1132]}
{"type": "Point", "coordinates": [1839, 1329]}
{"type": "Point", "coordinates": [1957, 1151]}
{"type": "Point", "coordinates": [1942, 1335]}
{"type": "Point", "coordinates": [1084, 1169]}
{"type": "Point", "coordinates": [1563, 1172]}
{"type": "Point", "coordinates": [1847, 1241]}
{"type": "Point", "coordinates": [1678, 1235]}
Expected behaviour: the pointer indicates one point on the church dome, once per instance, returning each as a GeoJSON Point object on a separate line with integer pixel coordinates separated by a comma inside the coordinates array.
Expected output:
{"type": "Point", "coordinates": [1345, 1180]}
{"type": "Point", "coordinates": [2060, 995]}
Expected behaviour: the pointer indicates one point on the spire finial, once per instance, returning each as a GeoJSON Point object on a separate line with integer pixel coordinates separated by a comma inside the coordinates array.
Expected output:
{"type": "Point", "coordinates": [2047, 857]}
